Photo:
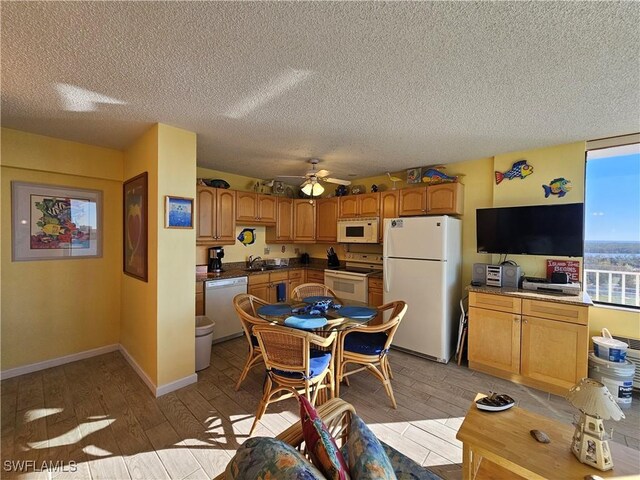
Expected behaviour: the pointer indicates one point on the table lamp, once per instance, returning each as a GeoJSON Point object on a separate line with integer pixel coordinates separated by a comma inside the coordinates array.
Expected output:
{"type": "Point", "coordinates": [596, 404]}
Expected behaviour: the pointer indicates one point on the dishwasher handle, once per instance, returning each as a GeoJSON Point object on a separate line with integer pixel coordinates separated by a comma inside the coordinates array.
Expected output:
{"type": "Point", "coordinates": [224, 283]}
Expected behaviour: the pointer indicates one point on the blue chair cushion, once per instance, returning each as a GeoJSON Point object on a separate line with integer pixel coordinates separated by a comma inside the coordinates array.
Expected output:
{"type": "Point", "coordinates": [365, 343]}
{"type": "Point", "coordinates": [319, 362]}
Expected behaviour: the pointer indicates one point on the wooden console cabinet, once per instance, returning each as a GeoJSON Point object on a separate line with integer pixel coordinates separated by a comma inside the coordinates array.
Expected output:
{"type": "Point", "coordinates": [543, 344]}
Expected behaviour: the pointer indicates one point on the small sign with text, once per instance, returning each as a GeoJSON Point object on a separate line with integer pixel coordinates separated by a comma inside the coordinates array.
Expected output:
{"type": "Point", "coordinates": [570, 267]}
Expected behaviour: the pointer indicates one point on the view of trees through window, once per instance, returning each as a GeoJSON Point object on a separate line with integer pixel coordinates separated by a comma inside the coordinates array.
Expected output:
{"type": "Point", "coordinates": [612, 225]}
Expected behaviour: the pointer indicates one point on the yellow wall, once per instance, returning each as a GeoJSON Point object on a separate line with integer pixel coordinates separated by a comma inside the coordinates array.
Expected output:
{"type": "Point", "coordinates": [548, 163]}
{"type": "Point", "coordinates": [53, 308]}
{"type": "Point", "coordinates": [139, 299]}
{"type": "Point", "coordinates": [176, 249]}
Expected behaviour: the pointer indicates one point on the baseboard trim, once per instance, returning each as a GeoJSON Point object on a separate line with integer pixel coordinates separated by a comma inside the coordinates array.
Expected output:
{"type": "Point", "coordinates": [138, 369]}
{"type": "Point", "coordinates": [55, 362]}
{"type": "Point", "coordinates": [180, 383]}
{"type": "Point", "coordinates": [162, 389]}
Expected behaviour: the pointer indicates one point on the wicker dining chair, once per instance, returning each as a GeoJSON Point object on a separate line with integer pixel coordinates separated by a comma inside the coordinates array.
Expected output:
{"type": "Point", "coordinates": [368, 347]}
{"type": "Point", "coordinates": [294, 366]}
{"type": "Point", "coordinates": [246, 305]}
{"type": "Point", "coordinates": [311, 290]}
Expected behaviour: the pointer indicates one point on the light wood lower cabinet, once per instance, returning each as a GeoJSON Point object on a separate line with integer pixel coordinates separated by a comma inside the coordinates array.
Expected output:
{"type": "Point", "coordinates": [314, 276]}
{"type": "Point", "coordinates": [534, 342]}
{"type": "Point", "coordinates": [554, 353]}
{"type": "Point", "coordinates": [375, 292]}
{"type": "Point", "coordinates": [265, 285]}
{"type": "Point", "coordinates": [494, 339]}
{"type": "Point", "coordinates": [296, 277]}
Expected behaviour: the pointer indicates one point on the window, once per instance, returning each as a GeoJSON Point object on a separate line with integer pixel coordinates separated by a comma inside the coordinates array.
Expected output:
{"type": "Point", "coordinates": [612, 221]}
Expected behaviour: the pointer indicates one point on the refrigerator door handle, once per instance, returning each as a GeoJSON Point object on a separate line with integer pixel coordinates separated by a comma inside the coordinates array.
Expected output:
{"type": "Point", "coordinates": [385, 274]}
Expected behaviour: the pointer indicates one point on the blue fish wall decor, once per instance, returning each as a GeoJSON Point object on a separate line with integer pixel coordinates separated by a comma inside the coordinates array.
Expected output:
{"type": "Point", "coordinates": [435, 175]}
{"type": "Point", "coordinates": [247, 236]}
{"type": "Point", "coordinates": [557, 186]}
{"type": "Point", "coordinates": [520, 169]}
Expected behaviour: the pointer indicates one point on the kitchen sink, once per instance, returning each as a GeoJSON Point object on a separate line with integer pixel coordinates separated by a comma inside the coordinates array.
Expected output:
{"type": "Point", "coordinates": [261, 269]}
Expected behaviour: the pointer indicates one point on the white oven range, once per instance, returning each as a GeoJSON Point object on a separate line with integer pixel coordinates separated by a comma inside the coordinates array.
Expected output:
{"type": "Point", "coordinates": [351, 281]}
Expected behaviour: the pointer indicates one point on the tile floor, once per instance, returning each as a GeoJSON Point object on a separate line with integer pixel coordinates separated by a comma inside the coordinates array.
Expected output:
{"type": "Point", "coordinates": [97, 418]}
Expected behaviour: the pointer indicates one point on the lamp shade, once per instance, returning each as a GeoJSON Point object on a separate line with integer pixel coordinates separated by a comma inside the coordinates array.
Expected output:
{"type": "Point", "coordinates": [593, 398]}
{"type": "Point", "coordinates": [313, 189]}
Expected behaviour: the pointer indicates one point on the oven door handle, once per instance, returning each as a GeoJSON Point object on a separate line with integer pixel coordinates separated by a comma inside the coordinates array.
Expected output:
{"type": "Point", "coordinates": [356, 277]}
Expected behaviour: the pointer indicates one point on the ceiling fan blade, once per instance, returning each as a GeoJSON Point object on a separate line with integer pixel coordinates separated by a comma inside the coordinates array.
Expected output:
{"type": "Point", "coordinates": [289, 176]}
{"type": "Point", "coordinates": [339, 181]}
{"type": "Point", "coordinates": [307, 181]}
{"type": "Point", "coordinates": [322, 173]}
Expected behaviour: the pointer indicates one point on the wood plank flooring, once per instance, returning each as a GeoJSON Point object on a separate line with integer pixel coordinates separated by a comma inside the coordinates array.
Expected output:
{"type": "Point", "coordinates": [95, 419]}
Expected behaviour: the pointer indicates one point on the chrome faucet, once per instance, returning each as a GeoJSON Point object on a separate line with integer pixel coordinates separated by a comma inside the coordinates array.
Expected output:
{"type": "Point", "coordinates": [252, 260]}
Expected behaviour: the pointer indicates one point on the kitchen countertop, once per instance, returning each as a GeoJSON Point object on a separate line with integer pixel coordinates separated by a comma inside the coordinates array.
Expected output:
{"type": "Point", "coordinates": [582, 299]}
{"type": "Point", "coordinates": [238, 269]}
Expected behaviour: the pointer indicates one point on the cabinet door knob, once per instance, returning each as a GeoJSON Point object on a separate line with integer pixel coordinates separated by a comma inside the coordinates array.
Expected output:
{"type": "Point", "coordinates": [516, 319]}
{"type": "Point", "coordinates": [525, 322]}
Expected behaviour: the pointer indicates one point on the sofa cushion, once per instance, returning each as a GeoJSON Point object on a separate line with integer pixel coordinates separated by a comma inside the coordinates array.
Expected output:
{"type": "Point", "coordinates": [405, 468]}
{"type": "Point", "coordinates": [321, 446]}
{"type": "Point", "coordinates": [367, 458]}
{"type": "Point", "coordinates": [265, 458]}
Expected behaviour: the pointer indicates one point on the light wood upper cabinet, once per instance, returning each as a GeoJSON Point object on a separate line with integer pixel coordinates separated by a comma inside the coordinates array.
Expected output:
{"type": "Point", "coordinates": [304, 221]}
{"type": "Point", "coordinates": [389, 205]}
{"type": "Point", "coordinates": [282, 232]}
{"type": "Point", "coordinates": [445, 199]}
{"type": "Point", "coordinates": [327, 220]}
{"type": "Point", "coordinates": [364, 205]}
{"type": "Point", "coordinates": [255, 208]}
{"type": "Point", "coordinates": [494, 339]}
{"type": "Point", "coordinates": [216, 216]}
{"type": "Point", "coordinates": [440, 199]}
{"type": "Point", "coordinates": [413, 201]}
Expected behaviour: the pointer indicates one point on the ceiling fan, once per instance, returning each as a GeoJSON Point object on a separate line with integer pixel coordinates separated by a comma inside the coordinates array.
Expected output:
{"type": "Point", "coordinates": [312, 178]}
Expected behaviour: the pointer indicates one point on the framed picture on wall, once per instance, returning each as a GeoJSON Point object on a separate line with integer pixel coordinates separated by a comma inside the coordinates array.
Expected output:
{"type": "Point", "coordinates": [52, 222]}
{"type": "Point", "coordinates": [135, 206]}
{"type": "Point", "coordinates": [178, 212]}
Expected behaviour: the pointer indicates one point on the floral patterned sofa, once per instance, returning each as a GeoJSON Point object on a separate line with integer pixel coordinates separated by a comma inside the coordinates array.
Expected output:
{"type": "Point", "coordinates": [337, 415]}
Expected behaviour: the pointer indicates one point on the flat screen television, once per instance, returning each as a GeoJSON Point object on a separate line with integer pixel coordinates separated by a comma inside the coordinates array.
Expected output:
{"type": "Point", "coordinates": [532, 230]}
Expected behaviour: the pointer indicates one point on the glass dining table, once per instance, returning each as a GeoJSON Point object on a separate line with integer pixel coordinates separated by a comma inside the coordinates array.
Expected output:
{"type": "Point", "coordinates": [322, 316]}
{"type": "Point", "coordinates": [319, 314]}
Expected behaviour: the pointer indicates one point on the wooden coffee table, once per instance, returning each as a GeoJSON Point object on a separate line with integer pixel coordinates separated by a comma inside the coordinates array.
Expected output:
{"type": "Point", "coordinates": [498, 445]}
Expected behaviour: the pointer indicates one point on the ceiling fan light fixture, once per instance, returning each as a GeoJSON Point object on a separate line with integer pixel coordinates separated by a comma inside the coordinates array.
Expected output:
{"type": "Point", "coordinates": [313, 189]}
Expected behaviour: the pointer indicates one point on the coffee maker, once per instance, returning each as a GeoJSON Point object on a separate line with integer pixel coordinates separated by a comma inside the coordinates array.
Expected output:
{"type": "Point", "coordinates": [216, 254]}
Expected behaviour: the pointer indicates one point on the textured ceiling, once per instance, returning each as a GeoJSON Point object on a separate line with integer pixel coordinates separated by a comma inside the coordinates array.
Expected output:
{"type": "Point", "coordinates": [364, 86]}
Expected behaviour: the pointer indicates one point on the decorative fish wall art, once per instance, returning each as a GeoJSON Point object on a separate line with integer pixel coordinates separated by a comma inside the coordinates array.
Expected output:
{"type": "Point", "coordinates": [435, 174]}
{"type": "Point", "coordinates": [519, 169]}
{"type": "Point", "coordinates": [557, 186]}
{"type": "Point", "coordinates": [247, 236]}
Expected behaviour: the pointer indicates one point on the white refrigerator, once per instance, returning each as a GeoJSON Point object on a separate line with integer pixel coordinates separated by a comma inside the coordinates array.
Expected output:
{"type": "Point", "coordinates": [422, 262]}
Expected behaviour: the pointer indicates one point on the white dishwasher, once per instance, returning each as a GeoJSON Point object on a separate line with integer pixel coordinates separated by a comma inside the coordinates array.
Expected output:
{"type": "Point", "coordinates": [218, 306]}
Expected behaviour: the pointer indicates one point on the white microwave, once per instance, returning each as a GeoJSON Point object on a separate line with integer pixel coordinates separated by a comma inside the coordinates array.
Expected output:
{"type": "Point", "coordinates": [358, 230]}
